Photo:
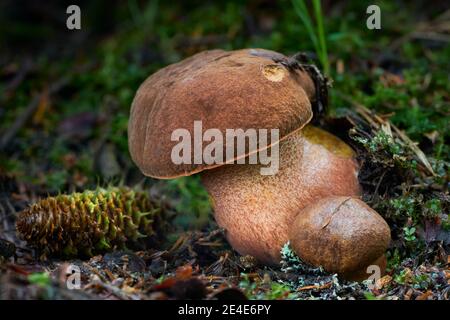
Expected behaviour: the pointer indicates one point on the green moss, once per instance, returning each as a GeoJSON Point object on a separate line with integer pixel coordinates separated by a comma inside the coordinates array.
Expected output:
{"type": "Point", "coordinates": [192, 201]}
{"type": "Point", "coordinates": [260, 289]}
{"type": "Point", "coordinates": [414, 206]}
{"type": "Point", "coordinates": [41, 279]}
{"type": "Point", "coordinates": [394, 259]}
{"type": "Point", "coordinates": [382, 142]}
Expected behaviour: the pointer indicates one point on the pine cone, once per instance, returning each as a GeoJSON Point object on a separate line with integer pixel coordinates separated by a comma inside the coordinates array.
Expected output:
{"type": "Point", "coordinates": [90, 222]}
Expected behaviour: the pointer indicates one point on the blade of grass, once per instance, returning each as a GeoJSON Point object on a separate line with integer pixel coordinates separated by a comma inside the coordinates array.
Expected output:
{"type": "Point", "coordinates": [150, 12]}
{"type": "Point", "coordinates": [144, 16]}
{"type": "Point", "coordinates": [134, 11]}
{"type": "Point", "coordinates": [302, 11]}
{"type": "Point", "coordinates": [321, 35]}
{"type": "Point", "coordinates": [318, 38]}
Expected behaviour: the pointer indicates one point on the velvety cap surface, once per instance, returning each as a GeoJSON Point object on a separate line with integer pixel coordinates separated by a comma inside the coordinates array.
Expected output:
{"type": "Point", "coordinates": [225, 90]}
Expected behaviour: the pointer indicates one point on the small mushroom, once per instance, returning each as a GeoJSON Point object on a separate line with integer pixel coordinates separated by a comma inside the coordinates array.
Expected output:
{"type": "Point", "coordinates": [341, 234]}
{"type": "Point", "coordinates": [257, 210]}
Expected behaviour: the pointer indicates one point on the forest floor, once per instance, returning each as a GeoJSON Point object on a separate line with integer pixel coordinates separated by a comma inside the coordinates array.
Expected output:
{"type": "Point", "coordinates": [64, 130]}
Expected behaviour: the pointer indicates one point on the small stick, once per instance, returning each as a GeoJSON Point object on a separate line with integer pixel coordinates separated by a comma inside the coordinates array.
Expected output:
{"type": "Point", "coordinates": [312, 287]}
{"type": "Point", "coordinates": [366, 113]}
{"type": "Point", "coordinates": [29, 111]}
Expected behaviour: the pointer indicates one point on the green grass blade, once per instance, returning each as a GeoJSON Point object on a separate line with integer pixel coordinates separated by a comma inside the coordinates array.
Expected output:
{"type": "Point", "coordinates": [321, 36]}
{"type": "Point", "coordinates": [302, 11]}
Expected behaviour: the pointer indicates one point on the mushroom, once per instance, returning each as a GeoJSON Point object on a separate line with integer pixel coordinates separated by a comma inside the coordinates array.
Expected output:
{"type": "Point", "coordinates": [258, 210]}
{"type": "Point", "coordinates": [245, 89]}
{"type": "Point", "coordinates": [341, 234]}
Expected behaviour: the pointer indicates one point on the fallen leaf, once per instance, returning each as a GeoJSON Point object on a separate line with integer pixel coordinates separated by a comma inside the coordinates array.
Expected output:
{"type": "Point", "coordinates": [389, 79]}
{"type": "Point", "coordinates": [166, 284]}
{"type": "Point", "coordinates": [184, 272]}
{"type": "Point", "coordinates": [408, 294]}
{"type": "Point", "coordinates": [383, 282]}
{"type": "Point", "coordinates": [425, 296]}
{"type": "Point", "coordinates": [43, 106]}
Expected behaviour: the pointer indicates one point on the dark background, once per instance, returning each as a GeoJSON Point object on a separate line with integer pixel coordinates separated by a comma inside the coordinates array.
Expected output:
{"type": "Point", "coordinates": [76, 137]}
{"type": "Point", "coordinates": [65, 97]}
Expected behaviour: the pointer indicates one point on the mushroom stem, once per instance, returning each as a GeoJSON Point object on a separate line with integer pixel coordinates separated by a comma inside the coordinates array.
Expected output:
{"type": "Point", "coordinates": [257, 210]}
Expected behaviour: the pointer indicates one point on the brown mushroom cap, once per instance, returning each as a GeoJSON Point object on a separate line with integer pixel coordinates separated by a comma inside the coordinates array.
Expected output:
{"type": "Point", "coordinates": [225, 90]}
{"type": "Point", "coordinates": [258, 210]}
{"type": "Point", "coordinates": [341, 234]}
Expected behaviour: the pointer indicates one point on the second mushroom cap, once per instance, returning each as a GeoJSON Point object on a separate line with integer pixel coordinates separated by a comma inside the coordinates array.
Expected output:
{"type": "Point", "coordinates": [341, 234]}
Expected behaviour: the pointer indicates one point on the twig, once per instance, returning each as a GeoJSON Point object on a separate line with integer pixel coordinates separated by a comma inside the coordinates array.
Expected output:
{"type": "Point", "coordinates": [29, 111]}
{"type": "Point", "coordinates": [426, 30]}
{"type": "Point", "coordinates": [377, 122]}
{"type": "Point", "coordinates": [109, 288]}
{"type": "Point", "coordinates": [435, 36]}
{"type": "Point", "coordinates": [419, 153]}
{"type": "Point", "coordinates": [378, 185]}
{"type": "Point", "coordinates": [316, 287]}
{"type": "Point", "coordinates": [20, 76]}
{"type": "Point", "coordinates": [53, 88]}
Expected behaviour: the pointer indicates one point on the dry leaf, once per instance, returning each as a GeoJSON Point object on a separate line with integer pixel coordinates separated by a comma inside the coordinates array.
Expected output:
{"type": "Point", "coordinates": [383, 282]}
{"type": "Point", "coordinates": [425, 296]}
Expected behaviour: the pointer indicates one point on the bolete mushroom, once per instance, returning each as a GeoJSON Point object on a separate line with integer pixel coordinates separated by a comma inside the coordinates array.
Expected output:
{"type": "Point", "coordinates": [245, 89]}
{"type": "Point", "coordinates": [257, 211]}
{"type": "Point", "coordinates": [341, 234]}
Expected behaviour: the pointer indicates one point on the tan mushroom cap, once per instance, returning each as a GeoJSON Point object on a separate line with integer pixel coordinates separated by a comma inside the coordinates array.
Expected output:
{"type": "Point", "coordinates": [225, 90]}
{"type": "Point", "coordinates": [341, 234]}
{"type": "Point", "coordinates": [257, 211]}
